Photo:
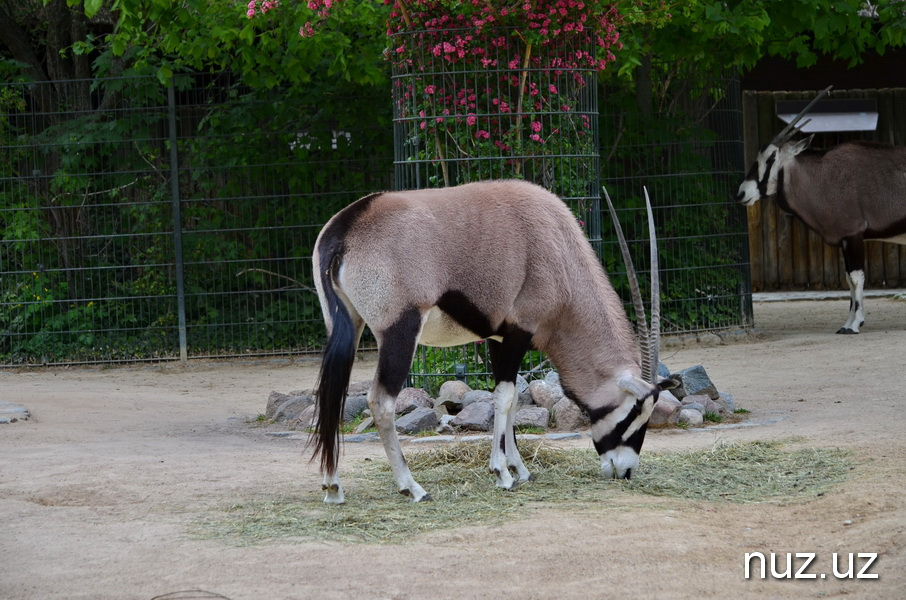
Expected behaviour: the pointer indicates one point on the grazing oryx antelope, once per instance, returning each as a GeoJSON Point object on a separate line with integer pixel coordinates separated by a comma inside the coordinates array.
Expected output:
{"type": "Point", "coordinates": [504, 261]}
{"type": "Point", "coordinates": [853, 192]}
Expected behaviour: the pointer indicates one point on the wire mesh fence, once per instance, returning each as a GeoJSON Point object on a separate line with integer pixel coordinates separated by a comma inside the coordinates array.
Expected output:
{"type": "Point", "coordinates": [510, 113]}
{"type": "Point", "coordinates": [684, 142]}
{"type": "Point", "coordinates": [176, 223]}
{"type": "Point", "coordinates": [141, 222]}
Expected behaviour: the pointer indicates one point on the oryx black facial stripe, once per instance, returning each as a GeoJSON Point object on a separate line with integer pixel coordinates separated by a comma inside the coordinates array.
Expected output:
{"type": "Point", "coordinates": [763, 181]}
{"type": "Point", "coordinates": [615, 437]}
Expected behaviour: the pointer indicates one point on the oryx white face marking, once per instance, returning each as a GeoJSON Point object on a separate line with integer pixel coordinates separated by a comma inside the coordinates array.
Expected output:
{"type": "Point", "coordinates": [761, 180]}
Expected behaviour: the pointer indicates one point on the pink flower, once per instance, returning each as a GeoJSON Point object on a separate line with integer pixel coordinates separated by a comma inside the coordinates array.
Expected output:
{"type": "Point", "coordinates": [553, 89]}
{"type": "Point", "coordinates": [471, 120]}
{"type": "Point", "coordinates": [536, 126]}
{"type": "Point", "coordinates": [482, 134]}
{"type": "Point", "coordinates": [430, 89]}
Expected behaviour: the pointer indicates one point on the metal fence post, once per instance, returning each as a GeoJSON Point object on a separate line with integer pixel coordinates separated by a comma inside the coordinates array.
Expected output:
{"type": "Point", "coordinates": [177, 225]}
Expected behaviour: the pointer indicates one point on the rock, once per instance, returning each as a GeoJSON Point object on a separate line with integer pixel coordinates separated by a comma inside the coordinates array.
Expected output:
{"type": "Point", "coordinates": [694, 380]}
{"type": "Point", "coordinates": [419, 420]}
{"type": "Point", "coordinates": [525, 399]}
{"type": "Point", "coordinates": [10, 412]}
{"type": "Point", "coordinates": [355, 405]}
{"type": "Point", "coordinates": [534, 416]}
{"type": "Point", "coordinates": [662, 370]}
{"type": "Point", "coordinates": [358, 388]}
{"type": "Point", "coordinates": [699, 398]}
{"type": "Point", "coordinates": [307, 418]}
{"type": "Point", "coordinates": [410, 399]}
{"type": "Point", "coordinates": [689, 417]}
{"type": "Point", "coordinates": [695, 406]}
{"type": "Point", "coordinates": [552, 378]}
{"type": "Point", "coordinates": [545, 394]}
{"type": "Point", "coordinates": [665, 407]}
{"type": "Point", "coordinates": [450, 396]}
{"type": "Point", "coordinates": [568, 416]}
{"type": "Point", "coordinates": [286, 407]}
{"type": "Point", "coordinates": [477, 416]}
{"type": "Point", "coordinates": [714, 407]}
{"type": "Point", "coordinates": [521, 384]}
{"type": "Point", "coordinates": [726, 400]}
{"type": "Point", "coordinates": [477, 396]}
{"type": "Point", "coordinates": [366, 423]}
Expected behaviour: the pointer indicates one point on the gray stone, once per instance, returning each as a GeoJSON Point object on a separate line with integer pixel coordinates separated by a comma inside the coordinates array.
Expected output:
{"type": "Point", "coordinates": [535, 416]}
{"type": "Point", "coordinates": [562, 436]}
{"type": "Point", "coordinates": [695, 406]}
{"type": "Point", "coordinates": [694, 380]}
{"type": "Point", "coordinates": [307, 417]}
{"type": "Point", "coordinates": [433, 439]}
{"type": "Point", "coordinates": [355, 406]}
{"type": "Point", "coordinates": [727, 401]}
{"type": "Point", "coordinates": [714, 407]}
{"type": "Point", "coordinates": [362, 437]}
{"type": "Point", "coordinates": [699, 398]}
{"type": "Point", "coordinates": [689, 417]}
{"type": "Point", "coordinates": [662, 370]}
{"type": "Point", "coordinates": [367, 423]}
{"type": "Point", "coordinates": [552, 378]}
{"type": "Point", "coordinates": [419, 420]}
{"type": "Point", "coordinates": [521, 384]}
{"type": "Point", "coordinates": [525, 399]}
{"type": "Point", "coordinates": [410, 399]}
{"type": "Point", "coordinates": [568, 416]}
{"type": "Point", "coordinates": [545, 394]}
{"type": "Point", "coordinates": [358, 388]}
{"type": "Point", "coordinates": [664, 408]}
{"type": "Point", "coordinates": [450, 396]}
{"type": "Point", "coordinates": [10, 412]}
{"type": "Point", "coordinates": [477, 396]}
{"type": "Point", "coordinates": [285, 407]}
{"type": "Point", "coordinates": [477, 416]}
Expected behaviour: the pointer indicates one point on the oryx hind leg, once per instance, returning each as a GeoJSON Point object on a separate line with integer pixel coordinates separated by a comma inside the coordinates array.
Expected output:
{"type": "Point", "coordinates": [396, 347]}
{"type": "Point", "coordinates": [854, 260]}
{"type": "Point", "coordinates": [506, 357]}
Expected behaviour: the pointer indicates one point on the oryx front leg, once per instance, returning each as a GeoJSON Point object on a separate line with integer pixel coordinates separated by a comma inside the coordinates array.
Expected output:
{"type": "Point", "coordinates": [856, 319]}
{"type": "Point", "coordinates": [504, 454]}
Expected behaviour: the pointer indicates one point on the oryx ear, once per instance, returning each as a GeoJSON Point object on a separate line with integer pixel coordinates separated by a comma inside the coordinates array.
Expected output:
{"type": "Point", "coordinates": [801, 145]}
{"type": "Point", "coordinates": [639, 388]}
{"type": "Point", "coordinates": [670, 383]}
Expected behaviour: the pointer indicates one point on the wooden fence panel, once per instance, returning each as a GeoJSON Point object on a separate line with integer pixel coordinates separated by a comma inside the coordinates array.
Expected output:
{"type": "Point", "coordinates": [784, 253]}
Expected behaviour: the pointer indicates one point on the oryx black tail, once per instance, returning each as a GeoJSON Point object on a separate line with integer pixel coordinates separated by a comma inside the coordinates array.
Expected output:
{"type": "Point", "coordinates": [333, 381]}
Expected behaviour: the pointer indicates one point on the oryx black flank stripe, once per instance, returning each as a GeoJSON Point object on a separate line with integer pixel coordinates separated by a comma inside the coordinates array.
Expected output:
{"type": "Point", "coordinates": [461, 309]}
{"type": "Point", "coordinates": [615, 437]}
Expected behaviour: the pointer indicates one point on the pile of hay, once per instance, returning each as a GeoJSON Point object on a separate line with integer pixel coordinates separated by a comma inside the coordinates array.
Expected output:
{"type": "Point", "coordinates": [457, 477]}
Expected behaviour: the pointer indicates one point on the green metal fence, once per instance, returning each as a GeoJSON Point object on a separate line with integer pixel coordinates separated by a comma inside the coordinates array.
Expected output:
{"type": "Point", "coordinates": [176, 224]}
{"type": "Point", "coordinates": [145, 222]}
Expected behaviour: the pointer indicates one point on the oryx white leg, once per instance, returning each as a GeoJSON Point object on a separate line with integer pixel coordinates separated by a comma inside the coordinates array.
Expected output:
{"type": "Point", "coordinates": [382, 407]}
{"type": "Point", "coordinates": [503, 447]}
{"type": "Point", "coordinates": [514, 459]}
{"type": "Point", "coordinates": [856, 281]}
{"type": "Point", "coordinates": [334, 491]}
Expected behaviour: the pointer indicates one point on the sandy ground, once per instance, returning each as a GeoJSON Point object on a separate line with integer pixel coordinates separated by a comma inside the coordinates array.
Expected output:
{"type": "Point", "coordinates": [98, 491]}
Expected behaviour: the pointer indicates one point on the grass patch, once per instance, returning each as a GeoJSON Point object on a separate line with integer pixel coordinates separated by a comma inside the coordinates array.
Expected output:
{"type": "Point", "coordinates": [464, 493]}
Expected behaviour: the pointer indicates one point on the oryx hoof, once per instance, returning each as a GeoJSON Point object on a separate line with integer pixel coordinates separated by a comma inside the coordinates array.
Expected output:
{"type": "Point", "coordinates": [847, 331]}
{"type": "Point", "coordinates": [334, 494]}
{"type": "Point", "coordinates": [421, 497]}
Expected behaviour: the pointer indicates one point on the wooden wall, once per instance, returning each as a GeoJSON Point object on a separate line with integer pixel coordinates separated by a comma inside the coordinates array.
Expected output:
{"type": "Point", "coordinates": [784, 254]}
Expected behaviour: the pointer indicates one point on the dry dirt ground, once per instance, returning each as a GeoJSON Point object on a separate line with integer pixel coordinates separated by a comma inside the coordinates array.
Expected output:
{"type": "Point", "coordinates": [100, 488]}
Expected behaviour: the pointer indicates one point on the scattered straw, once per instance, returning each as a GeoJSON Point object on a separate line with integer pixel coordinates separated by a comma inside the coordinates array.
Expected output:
{"type": "Point", "coordinates": [457, 478]}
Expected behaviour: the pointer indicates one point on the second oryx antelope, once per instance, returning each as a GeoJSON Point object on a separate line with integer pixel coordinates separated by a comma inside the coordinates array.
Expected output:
{"type": "Point", "coordinates": [504, 261]}
{"type": "Point", "coordinates": [851, 193]}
